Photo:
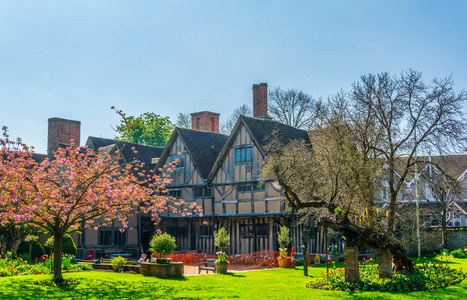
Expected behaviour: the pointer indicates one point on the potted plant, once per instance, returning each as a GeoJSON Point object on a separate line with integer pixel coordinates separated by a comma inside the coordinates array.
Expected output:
{"type": "Point", "coordinates": [283, 238]}
{"type": "Point", "coordinates": [164, 244]}
{"type": "Point", "coordinates": [221, 239]}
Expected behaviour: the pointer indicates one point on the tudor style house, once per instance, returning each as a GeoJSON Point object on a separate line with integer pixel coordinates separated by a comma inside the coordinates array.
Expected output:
{"type": "Point", "coordinates": [221, 174]}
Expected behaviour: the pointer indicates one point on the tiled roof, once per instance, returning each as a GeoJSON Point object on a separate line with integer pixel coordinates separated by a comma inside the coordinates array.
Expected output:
{"type": "Point", "coordinates": [203, 146]}
{"type": "Point", "coordinates": [263, 129]}
{"type": "Point", "coordinates": [145, 153]}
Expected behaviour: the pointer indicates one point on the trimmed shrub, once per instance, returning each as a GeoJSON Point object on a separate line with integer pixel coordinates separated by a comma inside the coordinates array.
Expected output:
{"type": "Point", "coordinates": [163, 244]}
{"type": "Point", "coordinates": [36, 250]}
{"type": "Point", "coordinates": [68, 245]}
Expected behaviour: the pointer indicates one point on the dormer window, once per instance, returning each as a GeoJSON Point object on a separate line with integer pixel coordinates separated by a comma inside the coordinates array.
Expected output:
{"type": "Point", "coordinates": [180, 161]}
{"type": "Point", "coordinates": [243, 154]}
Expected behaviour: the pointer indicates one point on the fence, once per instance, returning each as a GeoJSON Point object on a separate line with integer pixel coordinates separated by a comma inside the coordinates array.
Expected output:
{"type": "Point", "coordinates": [260, 260]}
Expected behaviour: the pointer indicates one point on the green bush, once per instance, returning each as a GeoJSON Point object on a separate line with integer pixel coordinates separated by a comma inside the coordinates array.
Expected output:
{"type": "Point", "coordinates": [68, 245]}
{"type": "Point", "coordinates": [459, 253]}
{"type": "Point", "coordinates": [163, 244]}
{"type": "Point", "coordinates": [283, 237]}
{"type": "Point", "coordinates": [221, 238]}
{"type": "Point", "coordinates": [118, 263]}
{"type": "Point", "coordinates": [36, 250]}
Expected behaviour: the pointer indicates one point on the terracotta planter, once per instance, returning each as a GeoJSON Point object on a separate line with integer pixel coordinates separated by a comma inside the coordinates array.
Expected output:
{"type": "Point", "coordinates": [221, 267]}
{"type": "Point", "coordinates": [284, 262]}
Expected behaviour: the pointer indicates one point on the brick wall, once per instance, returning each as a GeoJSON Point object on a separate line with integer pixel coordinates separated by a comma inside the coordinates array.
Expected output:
{"type": "Point", "coordinates": [260, 100]}
{"type": "Point", "coordinates": [62, 131]}
{"type": "Point", "coordinates": [205, 121]}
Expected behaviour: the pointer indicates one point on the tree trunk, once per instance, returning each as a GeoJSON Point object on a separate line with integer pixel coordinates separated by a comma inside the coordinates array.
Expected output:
{"type": "Point", "coordinates": [367, 237]}
{"type": "Point", "coordinates": [58, 239]}
{"type": "Point", "coordinates": [444, 228]}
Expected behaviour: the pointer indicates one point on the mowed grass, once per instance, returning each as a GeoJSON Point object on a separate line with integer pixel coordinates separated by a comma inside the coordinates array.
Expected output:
{"type": "Point", "coordinates": [268, 284]}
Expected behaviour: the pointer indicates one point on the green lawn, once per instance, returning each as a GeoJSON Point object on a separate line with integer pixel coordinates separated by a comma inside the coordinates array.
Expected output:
{"type": "Point", "coordinates": [270, 284]}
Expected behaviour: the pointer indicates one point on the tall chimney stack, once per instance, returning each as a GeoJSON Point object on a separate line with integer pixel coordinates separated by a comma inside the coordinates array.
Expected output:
{"type": "Point", "coordinates": [205, 121]}
{"type": "Point", "coordinates": [260, 100]}
{"type": "Point", "coordinates": [62, 131]}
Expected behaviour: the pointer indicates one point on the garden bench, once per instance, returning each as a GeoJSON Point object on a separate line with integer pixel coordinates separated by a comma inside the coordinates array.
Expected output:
{"type": "Point", "coordinates": [207, 265]}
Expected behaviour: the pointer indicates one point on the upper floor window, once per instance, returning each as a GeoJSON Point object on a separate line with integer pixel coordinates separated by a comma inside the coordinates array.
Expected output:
{"type": "Point", "coordinates": [200, 192]}
{"type": "Point", "coordinates": [179, 160]}
{"type": "Point", "coordinates": [176, 193]}
{"type": "Point", "coordinates": [249, 187]}
{"type": "Point", "coordinates": [243, 154]}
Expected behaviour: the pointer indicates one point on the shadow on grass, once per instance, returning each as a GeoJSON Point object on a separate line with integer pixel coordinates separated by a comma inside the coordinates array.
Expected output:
{"type": "Point", "coordinates": [97, 289]}
{"type": "Point", "coordinates": [231, 274]}
{"type": "Point", "coordinates": [177, 278]}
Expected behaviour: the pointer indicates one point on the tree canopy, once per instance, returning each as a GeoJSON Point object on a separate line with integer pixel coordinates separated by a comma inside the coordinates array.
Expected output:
{"type": "Point", "coordinates": [148, 128]}
{"type": "Point", "coordinates": [183, 120]}
{"type": "Point", "coordinates": [365, 146]}
{"type": "Point", "coordinates": [77, 189]}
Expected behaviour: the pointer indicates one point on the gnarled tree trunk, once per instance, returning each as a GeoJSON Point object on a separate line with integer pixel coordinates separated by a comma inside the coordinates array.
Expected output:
{"type": "Point", "coordinates": [367, 237]}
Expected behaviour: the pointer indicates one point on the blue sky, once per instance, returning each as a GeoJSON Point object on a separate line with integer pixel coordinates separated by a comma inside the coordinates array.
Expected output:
{"type": "Point", "coordinates": [75, 59]}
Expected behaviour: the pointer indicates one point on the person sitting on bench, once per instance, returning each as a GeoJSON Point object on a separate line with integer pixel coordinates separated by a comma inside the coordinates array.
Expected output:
{"type": "Point", "coordinates": [143, 258]}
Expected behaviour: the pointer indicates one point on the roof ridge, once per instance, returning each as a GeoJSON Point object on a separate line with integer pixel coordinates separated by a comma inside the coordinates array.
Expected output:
{"type": "Point", "coordinates": [200, 131]}
{"type": "Point", "coordinates": [272, 120]}
{"type": "Point", "coordinates": [115, 140]}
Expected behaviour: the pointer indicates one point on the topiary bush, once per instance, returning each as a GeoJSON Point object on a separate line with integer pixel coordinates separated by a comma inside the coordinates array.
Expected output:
{"type": "Point", "coordinates": [68, 245]}
{"type": "Point", "coordinates": [36, 249]}
{"type": "Point", "coordinates": [164, 244]}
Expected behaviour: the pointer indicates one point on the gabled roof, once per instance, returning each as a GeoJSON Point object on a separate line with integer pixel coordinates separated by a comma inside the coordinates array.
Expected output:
{"type": "Point", "coordinates": [261, 131]}
{"type": "Point", "coordinates": [202, 146]}
{"type": "Point", "coordinates": [145, 153]}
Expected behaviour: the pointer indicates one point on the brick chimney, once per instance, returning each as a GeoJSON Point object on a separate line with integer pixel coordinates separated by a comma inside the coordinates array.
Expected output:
{"type": "Point", "coordinates": [260, 100]}
{"type": "Point", "coordinates": [205, 121]}
{"type": "Point", "coordinates": [62, 131]}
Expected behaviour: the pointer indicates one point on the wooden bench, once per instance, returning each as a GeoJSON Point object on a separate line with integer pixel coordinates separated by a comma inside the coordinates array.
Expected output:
{"type": "Point", "coordinates": [207, 265]}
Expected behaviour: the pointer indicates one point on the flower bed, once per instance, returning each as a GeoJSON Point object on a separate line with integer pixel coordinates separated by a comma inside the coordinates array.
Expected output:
{"type": "Point", "coordinates": [428, 275]}
{"type": "Point", "coordinates": [13, 267]}
{"type": "Point", "coordinates": [459, 253]}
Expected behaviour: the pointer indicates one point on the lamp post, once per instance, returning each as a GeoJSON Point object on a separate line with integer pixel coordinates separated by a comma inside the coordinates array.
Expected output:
{"type": "Point", "coordinates": [305, 239]}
